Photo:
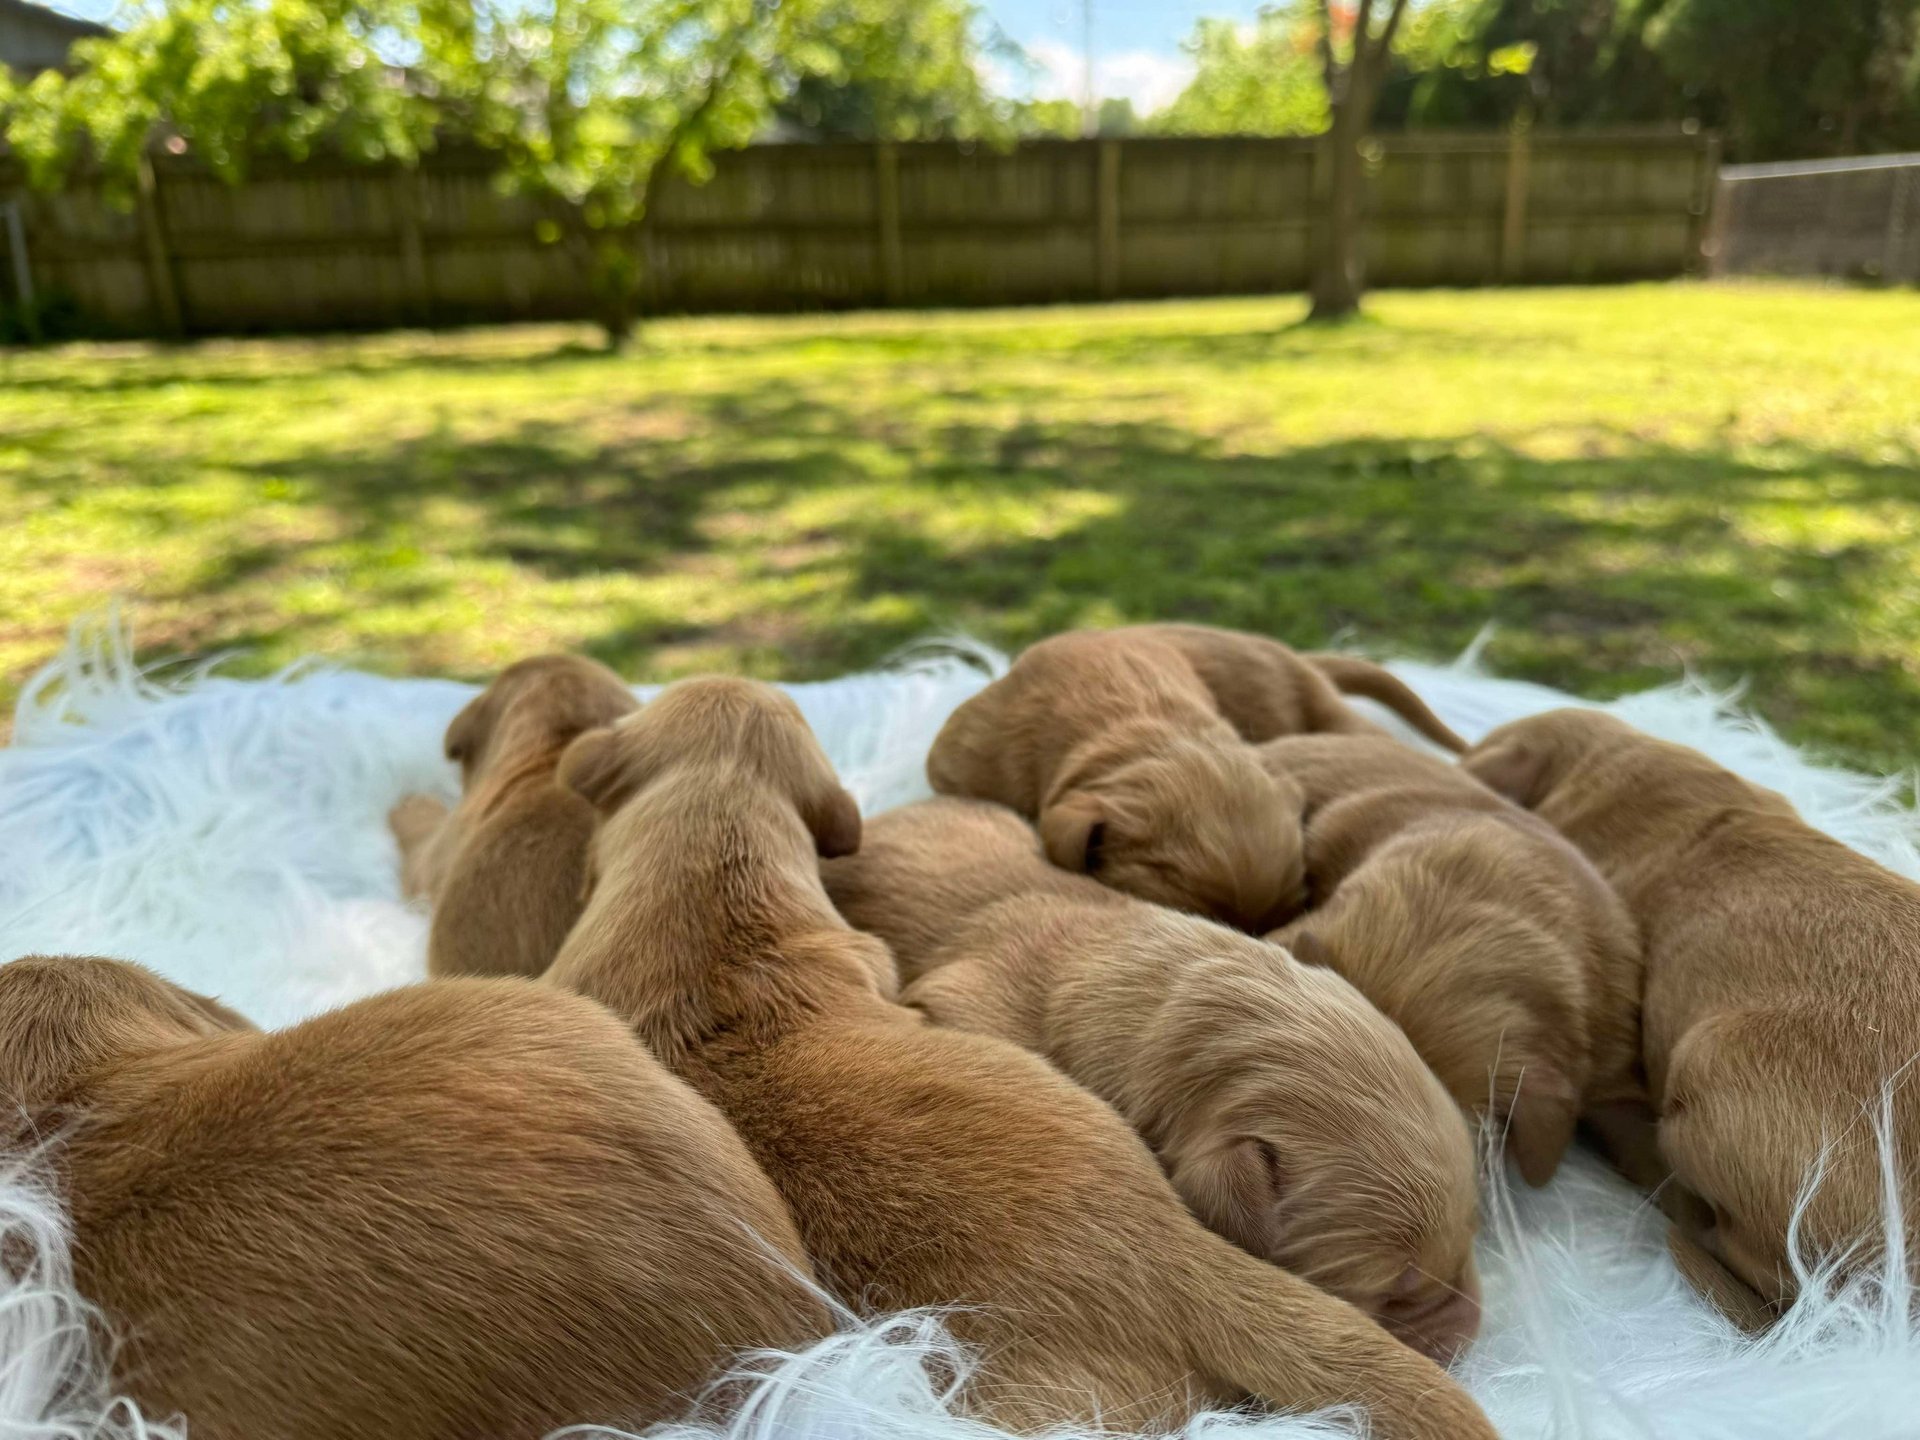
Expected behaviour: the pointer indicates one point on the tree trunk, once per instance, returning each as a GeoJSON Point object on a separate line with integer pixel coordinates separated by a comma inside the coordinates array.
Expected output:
{"type": "Point", "coordinates": [1337, 269]}
{"type": "Point", "coordinates": [612, 272]}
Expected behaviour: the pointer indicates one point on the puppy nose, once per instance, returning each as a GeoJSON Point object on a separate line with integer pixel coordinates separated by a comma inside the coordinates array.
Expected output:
{"type": "Point", "coordinates": [1439, 1328]}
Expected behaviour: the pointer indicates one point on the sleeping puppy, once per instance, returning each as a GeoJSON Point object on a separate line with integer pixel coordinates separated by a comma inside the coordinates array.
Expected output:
{"type": "Point", "coordinates": [504, 868]}
{"type": "Point", "coordinates": [1266, 689]}
{"type": "Point", "coordinates": [462, 1209]}
{"type": "Point", "coordinates": [1782, 996]}
{"type": "Point", "coordinates": [1216, 1047]}
{"type": "Point", "coordinates": [1509, 962]}
{"type": "Point", "coordinates": [927, 1166]}
{"type": "Point", "coordinates": [1112, 743]}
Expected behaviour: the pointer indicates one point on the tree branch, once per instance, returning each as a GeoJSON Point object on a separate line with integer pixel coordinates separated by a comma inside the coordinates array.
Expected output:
{"type": "Point", "coordinates": [721, 77]}
{"type": "Point", "coordinates": [1392, 27]}
{"type": "Point", "coordinates": [1329, 73]}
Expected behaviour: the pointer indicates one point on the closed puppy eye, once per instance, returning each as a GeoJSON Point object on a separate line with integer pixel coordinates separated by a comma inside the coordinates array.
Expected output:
{"type": "Point", "coordinates": [1096, 845]}
{"type": "Point", "coordinates": [1276, 1173]}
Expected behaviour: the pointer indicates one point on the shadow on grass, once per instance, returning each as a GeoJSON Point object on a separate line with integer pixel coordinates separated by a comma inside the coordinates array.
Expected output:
{"type": "Point", "coordinates": [1606, 571]}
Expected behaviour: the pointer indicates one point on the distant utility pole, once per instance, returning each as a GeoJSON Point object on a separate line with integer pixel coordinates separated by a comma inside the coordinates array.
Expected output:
{"type": "Point", "coordinates": [1090, 105]}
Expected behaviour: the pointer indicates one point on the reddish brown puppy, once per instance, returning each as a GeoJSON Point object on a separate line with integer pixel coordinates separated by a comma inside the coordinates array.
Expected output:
{"type": "Point", "coordinates": [470, 1208]}
{"type": "Point", "coordinates": [928, 1166]}
{"type": "Point", "coordinates": [504, 869]}
{"type": "Point", "coordinates": [1782, 995]}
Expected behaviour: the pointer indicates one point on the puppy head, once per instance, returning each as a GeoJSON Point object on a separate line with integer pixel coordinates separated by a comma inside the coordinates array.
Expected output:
{"type": "Point", "coordinates": [740, 723]}
{"type": "Point", "coordinates": [544, 701]}
{"type": "Point", "coordinates": [1529, 759]}
{"type": "Point", "coordinates": [1499, 1012]}
{"type": "Point", "coordinates": [1769, 1122]}
{"type": "Point", "coordinates": [1328, 1147]}
{"type": "Point", "coordinates": [66, 1017]}
{"type": "Point", "coordinates": [1188, 823]}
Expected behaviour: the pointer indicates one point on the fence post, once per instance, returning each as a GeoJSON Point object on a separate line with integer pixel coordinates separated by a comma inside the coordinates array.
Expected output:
{"type": "Point", "coordinates": [1513, 221]}
{"type": "Point", "coordinates": [886, 194]}
{"type": "Point", "coordinates": [153, 233]}
{"type": "Point", "coordinates": [1890, 264]}
{"type": "Point", "coordinates": [1703, 235]}
{"type": "Point", "coordinates": [1106, 218]}
{"type": "Point", "coordinates": [413, 249]}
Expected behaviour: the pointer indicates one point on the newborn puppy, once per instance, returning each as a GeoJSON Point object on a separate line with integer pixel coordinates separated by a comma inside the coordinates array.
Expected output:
{"type": "Point", "coordinates": [927, 1166]}
{"type": "Point", "coordinates": [1266, 690]}
{"type": "Point", "coordinates": [1509, 962]}
{"type": "Point", "coordinates": [462, 1209]}
{"type": "Point", "coordinates": [1219, 1049]}
{"type": "Point", "coordinates": [504, 869]}
{"type": "Point", "coordinates": [1782, 993]}
{"type": "Point", "coordinates": [1114, 745]}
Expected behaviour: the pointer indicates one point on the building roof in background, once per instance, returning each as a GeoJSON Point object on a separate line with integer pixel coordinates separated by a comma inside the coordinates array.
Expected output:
{"type": "Point", "coordinates": [34, 38]}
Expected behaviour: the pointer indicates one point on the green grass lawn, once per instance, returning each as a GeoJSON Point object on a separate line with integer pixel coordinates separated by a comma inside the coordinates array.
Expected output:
{"type": "Point", "coordinates": [1626, 482]}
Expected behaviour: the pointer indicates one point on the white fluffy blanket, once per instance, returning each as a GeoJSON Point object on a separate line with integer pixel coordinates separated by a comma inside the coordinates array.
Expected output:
{"type": "Point", "coordinates": [231, 835]}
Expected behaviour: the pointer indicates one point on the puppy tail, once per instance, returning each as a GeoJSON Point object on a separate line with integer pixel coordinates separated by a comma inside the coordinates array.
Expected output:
{"type": "Point", "coordinates": [1353, 676]}
{"type": "Point", "coordinates": [1255, 1328]}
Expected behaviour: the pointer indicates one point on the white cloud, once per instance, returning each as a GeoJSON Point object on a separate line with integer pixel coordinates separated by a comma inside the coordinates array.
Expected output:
{"type": "Point", "coordinates": [1148, 78]}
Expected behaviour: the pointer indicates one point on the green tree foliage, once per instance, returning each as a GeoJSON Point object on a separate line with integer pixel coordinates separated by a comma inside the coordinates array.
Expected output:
{"type": "Point", "coordinates": [274, 78]}
{"type": "Point", "coordinates": [1565, 62]}
{"type": "Point", "coordinates": [1265, 80]}
{"type": "Point", "coordinates": [1067, 119]}
{"type": "Point", "coordinates": [899, 71]}
{"type": "Point", "coordinates": [1839, 76]}
{"type": "Point", "coordinates": [588, 104]}
{"type": "Point", "coordinates": [1783, 77]}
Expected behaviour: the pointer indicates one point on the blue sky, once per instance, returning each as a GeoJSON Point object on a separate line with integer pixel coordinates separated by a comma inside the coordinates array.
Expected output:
{"type": "Point", "coordinates": [1136, 43]}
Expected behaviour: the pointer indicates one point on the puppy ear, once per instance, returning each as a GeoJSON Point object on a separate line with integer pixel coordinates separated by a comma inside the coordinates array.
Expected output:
{"type": "Point", "coordinates": [1511, 768]}
{"type": "Point", "coordinates": [1073, 830]}
{"type": "Point", "coordinates": [1238, 1189]}
{"type": "Point", "coordinates": [603, 768]}
{"type": "Point", "coordinates": [834, 818]}
{"type": "Point", "coordinates": [1540, 1123]}
{"type": "Point", "coordinates": [469, 729]}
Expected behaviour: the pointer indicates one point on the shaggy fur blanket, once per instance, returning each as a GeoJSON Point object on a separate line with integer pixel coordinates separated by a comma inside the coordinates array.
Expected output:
{"type": "Point", "coordinates": [231, 834]}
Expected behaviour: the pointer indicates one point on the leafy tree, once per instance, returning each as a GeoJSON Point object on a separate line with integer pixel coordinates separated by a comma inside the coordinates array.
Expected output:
{"type": "Point", "coordinates": [1585, 62]}
{"type": "Point", "coordinates": [276, 78]}
{"type": "Point", "coordinates": [1266, 82]}
{"type": "Point", "coordinates": [897, 71]}
{"type": "Point", "coordinates": [589, 104]}
{"type": "Point", "coordinates": [1067, 120]}
{"type": "Point", "coordinates": [1793, 77]}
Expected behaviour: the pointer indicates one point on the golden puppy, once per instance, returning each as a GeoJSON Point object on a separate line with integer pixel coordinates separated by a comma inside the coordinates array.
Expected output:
{"type": "Point", "coordinates": [1266, 689]}
{"type": "Point", "coordinates": [504, 869]}
{"type": "Point", "coordinates": [1112, 743]}
{"type": "Point", "coordinates": [927, 1166]}
{"type": "Point", "coordinates": [1216, 1047]}
{"type": "Point", "coordinates": [462, 1209]}
{"type": "Point", "coordinates": [1502, 953]}
{"type": "Point", "coordinates": [1782, 993]}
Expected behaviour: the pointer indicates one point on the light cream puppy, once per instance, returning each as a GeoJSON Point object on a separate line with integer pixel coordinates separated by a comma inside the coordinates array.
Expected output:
{"type": "Point", "coordinates": [1289, 1113]}
{"type": "Point", "coordinates": [1500, 950]}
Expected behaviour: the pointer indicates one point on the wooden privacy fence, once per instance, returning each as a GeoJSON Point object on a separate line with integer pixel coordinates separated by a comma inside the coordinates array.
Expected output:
{"type": "Point", "coordinates": [811, 226]}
